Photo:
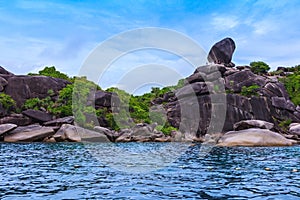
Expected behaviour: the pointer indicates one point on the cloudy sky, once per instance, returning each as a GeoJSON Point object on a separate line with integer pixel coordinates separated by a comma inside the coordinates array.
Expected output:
{"type": "Point", "coordinates": [34, 34]}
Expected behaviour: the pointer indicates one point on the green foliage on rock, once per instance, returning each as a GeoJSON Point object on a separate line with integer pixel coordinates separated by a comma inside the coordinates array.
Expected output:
{"type": "Point", "coordinates": [34, 103]}
{"type": "Point", "coordinates": [52, 72]}
{"type": "Point", "coordinates": [292, 85]}
{"type": "Point", "coordinates": [250, 90]}
{"type": "Point", "coordinates": [285, 124]}
{"type": "Point", "coordinates": [7, 102]}
{"type": "Point", "coordinates": [259, 67]}
{"type": "Point", "coordinates": [166, 128]}
{"type": "Point", "coordinates": [82, 95]}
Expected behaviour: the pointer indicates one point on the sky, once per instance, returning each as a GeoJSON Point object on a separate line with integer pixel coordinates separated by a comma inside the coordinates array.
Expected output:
{"type": "Point", "coordinates": [63, 33]}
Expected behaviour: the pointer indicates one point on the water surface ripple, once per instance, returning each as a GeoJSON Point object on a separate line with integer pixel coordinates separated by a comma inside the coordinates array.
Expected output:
{"type": "Point", "coordinates": [69, 171]}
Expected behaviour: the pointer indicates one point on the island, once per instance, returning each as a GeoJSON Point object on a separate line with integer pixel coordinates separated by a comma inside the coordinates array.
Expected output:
{"type": "Point", "coordinates": [236, 106]}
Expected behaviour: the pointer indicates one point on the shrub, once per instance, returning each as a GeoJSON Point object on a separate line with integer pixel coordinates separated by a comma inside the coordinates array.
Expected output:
{"type": "Point", "coordinates": [52, 72]}
{"type": "Point", "coordinates": [7, 102]}
{"type": "Point", "coordinates": [250, 90]}
{"type": "Point", "coordinates": [34, 103]}
{"type": "Point", "coordinates": [259, 67]}
{"type": "Point", "coordinates": [292, 85]}
{"type": "Point", "coordinates": [285, 124]}
{"type": "Point", "coordinates": [166, 129]}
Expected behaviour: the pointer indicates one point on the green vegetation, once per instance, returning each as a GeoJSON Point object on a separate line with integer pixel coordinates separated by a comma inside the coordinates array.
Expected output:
{"type": "Point", "coordinates": [166, 129]}
{"type": "Point", "coordinates": [135, 109]}
{"type": "Point", "coordinates": [250, 90]}
{"type": "Point", "coordinates": [7, 102]}
{"type": "Point", "coordinates": [292, 84]}
{"type": "Point", "coordinates": [259, 67]}
{"type": "Point", "coordinates": [285, 124]}
{"type": "Point", "coordinates": [77, 99]}
{"type": "Point", "coordinates": [52, 72]}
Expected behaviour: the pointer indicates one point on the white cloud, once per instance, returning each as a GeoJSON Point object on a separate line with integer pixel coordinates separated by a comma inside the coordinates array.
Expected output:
{"type": "Point", "coordinates": [224, 22]}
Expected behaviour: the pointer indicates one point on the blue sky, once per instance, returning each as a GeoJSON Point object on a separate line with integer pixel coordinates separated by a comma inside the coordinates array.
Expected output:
{"type": "Point", "coordinates": [62, 33]}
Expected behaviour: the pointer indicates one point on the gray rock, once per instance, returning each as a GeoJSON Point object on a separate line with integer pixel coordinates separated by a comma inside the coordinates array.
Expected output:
{"type": "Point", "coordinates": [92, 136]}
{"type": "Point", "coordinates": [246, 124]}
{"type": "Point", "coordinates": [211, 68]}
{"type": "Point", "coordinates": [298, 108]}
{"type": "Point", "coordinates": [282, 103]}
{"type": "Point", "coordinates": [196, 77]}
{"type": "Point", "coordinates": [17, 119]}
{"type": "Point", "coordinates": [60, 121]}
{"type": "Point", "coordinates": [236, 81]}
{"type": "Point", "coordinates": [275, 90]}
{"type": "Point", "coordinates": [222, 51]}
{"type": "Point", "coordinates": [31, 127]}
{"type": "Point", "coordinates": [4, 128]}
{"type": "Point", "coordinates": [125, 136]}
{"type": "Point", "coordinates": [140, 133]}
{"type": "Point", "coordinates": [67, 133]}
{"type": "Point", "coordinates": [3, 83]}
{"type": "Point", "coordinates": [295, 129]}
{"type": "Point", "coordinates": [72, 133]}
{"type": "Point", "coordinates": [198, 88]}
{"type": "Point", "coordinates": [111, 135]}
{"type": "Point", "coordinates": [38, 115]}
{"type": "Point", "coordinates": [4, 71]}
{"type": "Point", "coordinates": [254, 137]}
{"type": "Point", "coordinates": [297, 114]}
{"type": "Point", "coordinates": [144, 133]}
{"type": "Point", "coordinates": [29, 134]}
{"type": "Point", "coordinates": [106, 99]}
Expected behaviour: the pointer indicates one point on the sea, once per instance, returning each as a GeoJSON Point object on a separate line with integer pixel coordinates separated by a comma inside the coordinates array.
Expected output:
{"type": "Point", "coordinates": [147, 171]}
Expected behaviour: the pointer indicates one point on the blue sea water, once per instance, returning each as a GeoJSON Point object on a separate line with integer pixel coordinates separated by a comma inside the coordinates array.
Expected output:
{"type": "Point", "coordinates": [74, 171]}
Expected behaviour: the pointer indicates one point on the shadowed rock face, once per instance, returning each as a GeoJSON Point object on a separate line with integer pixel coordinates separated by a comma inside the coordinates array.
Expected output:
{"type": "Point", "coordinates": [221, 52]}
{"type": "Point", "coordinates": [271, 103]}
{"type": "Point", "coordinates": [21, 88]}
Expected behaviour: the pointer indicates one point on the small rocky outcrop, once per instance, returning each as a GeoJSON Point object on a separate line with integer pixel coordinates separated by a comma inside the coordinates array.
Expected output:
{"type": "Point", "coordinates": [106, 99]}
{"type": "Point", "coordinates": [29, 134]}
{"type": "Point", "coordinates": [254, 137]}
{"type": "Point", "coordinates": [295, 129]}
{"type": "Point", "coordinates": [60, 121]}
{"type": "Point", "coordinates": [221, 52]}
{"type": "Point", "coordinates": [37, 115]}
{"type": "Point", "coordinates": [72, 133]}
{"type": "Point", "coordinates": [4, 128]}
{"type": "Point", "coordinates": [17, 119]}
{"type": "Point", "coordinates": [246, 124]}
{"type": "Point", "coordinates": [140, 133]}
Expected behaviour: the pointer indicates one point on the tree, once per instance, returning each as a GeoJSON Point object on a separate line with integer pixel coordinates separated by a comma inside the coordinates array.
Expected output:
{"type": "Point", "coordinates": [52, 72]}
{"type": "Point", "coordinates": [259, 67]}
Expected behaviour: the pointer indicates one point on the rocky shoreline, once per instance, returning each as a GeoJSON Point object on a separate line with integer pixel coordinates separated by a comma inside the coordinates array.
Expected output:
{"type": "Point", "coordinates": [256, 106]}
{"type": "Point", "coordinates": [245, 133]}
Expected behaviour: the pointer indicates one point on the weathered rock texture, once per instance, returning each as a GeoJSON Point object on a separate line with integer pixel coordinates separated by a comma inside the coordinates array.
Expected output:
{"type": "Point", "coordinates": [221, 52]}
{"type": "Point", "coordinates": [254, 137]}
{"type": "Point", "coordinates": [201, 95]}
{"type": "Point", "coordinates": [21, 88]}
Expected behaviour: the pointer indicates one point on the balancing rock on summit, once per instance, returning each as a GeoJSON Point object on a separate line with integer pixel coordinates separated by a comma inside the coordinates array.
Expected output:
{"type": "Point", "coordinates": [221, 52]}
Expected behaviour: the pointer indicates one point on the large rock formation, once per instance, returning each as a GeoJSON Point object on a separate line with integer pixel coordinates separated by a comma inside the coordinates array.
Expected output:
{"type": "Point", "coordinates": [21, 88]}
{"type": "Point", "coordinates": [270, 102]}
{"type": "Point", "coordinates": [221, 52]}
